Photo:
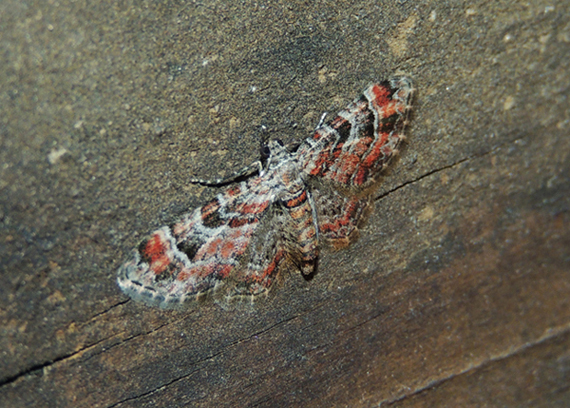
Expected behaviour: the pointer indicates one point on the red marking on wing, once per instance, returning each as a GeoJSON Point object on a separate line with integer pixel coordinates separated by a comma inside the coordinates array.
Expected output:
{"type": "Point", "coordinates": [319, 164]}
{"type": "Point", "coordinates": [381, 95]}
{"type": "Point", "coordinates": [372, 159]}
{"type": "Point", "coordinates": [187, 274]}
{"type": "Point", "coordinates": [348, 217]}
{"type": "Point", "coordinates": [234, 191]}
{"type": "Point", "coordinates": [252, 208]}
{"type": "Point", "coordinates": [270, 269]}
{"type": "Point", "coordinates": [227, 250]}
{"type": "Point", "coordinates": [210, 208]}
{"type": "Point", "coordinates": [240, 222]}
{"type": "Point", "coordinates": [155, 250]}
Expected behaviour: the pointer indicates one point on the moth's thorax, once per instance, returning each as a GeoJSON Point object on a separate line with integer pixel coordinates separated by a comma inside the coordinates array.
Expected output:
{"type": "Point", "coordinates": [279, 155]}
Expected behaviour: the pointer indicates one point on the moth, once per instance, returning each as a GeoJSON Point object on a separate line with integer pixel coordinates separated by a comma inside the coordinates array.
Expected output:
{"type": "Point", "coordinates": [300, 197]}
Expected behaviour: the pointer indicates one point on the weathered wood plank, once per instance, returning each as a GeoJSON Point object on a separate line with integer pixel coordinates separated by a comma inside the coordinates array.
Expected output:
{"type": "Point", "coordinates": [534, 376]}
{"type": "Point", "coordinates": [457, 292]}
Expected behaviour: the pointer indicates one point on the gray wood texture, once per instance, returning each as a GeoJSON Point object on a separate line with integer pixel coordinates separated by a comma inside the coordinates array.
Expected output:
{"type": "Point", "coordinates": [457, 292]}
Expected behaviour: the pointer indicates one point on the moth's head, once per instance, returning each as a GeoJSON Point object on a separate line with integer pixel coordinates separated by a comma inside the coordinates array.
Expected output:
{"type": "Point", "coordinates": [274, 153]}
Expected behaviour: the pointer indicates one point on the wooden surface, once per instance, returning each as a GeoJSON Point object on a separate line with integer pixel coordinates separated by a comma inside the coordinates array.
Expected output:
{"type": "Point", "coordinates": [457, 292]}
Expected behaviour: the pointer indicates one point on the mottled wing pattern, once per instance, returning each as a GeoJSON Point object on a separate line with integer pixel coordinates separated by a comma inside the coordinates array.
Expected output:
{"type": "Point", "coordinates": [340, 216]}
{"type": "Point", "coordinates": [345, 157]}
{"type": "Point", "coordinates": [264, 254]}
{"type": "Point", "coordinates": [353, 148]}
{"type": "Point", "coordinates": [202, 251]}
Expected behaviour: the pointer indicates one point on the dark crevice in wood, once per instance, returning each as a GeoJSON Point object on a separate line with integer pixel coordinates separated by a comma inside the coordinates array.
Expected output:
{"type": "Point", "coordinates": [446, 167]}
{"type": "Point", "coordinates": [208, 358]}
{"type": "Point", "coordinates": [127, 339]}
{"type": "Point", "coordinates": [46, 364]}
{"type": "Point", "coordinates": [198, 362]}
{"type": "Point", "coordinates": [96, 315]}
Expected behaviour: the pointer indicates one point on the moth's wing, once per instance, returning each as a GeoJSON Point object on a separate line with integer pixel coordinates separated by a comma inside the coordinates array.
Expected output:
{"type": "Point", "coordinates": [261, 260]}
{"type": "Point", "coordinates": [200, 253]}
{"type": "Point", "coordinates": [353, 148]}
{"type": "Point", "coordinates": [340, 216]}
{"type": "Point", "coordinates": [289, 231]}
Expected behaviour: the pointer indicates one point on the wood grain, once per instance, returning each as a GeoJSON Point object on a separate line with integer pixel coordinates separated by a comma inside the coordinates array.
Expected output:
{"type": "Point", "coordinates": [457, 292]}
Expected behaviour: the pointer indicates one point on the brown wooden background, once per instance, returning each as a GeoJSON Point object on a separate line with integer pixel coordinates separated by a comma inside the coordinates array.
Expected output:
{"type": "Point", "coordinates": [456, 294]}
